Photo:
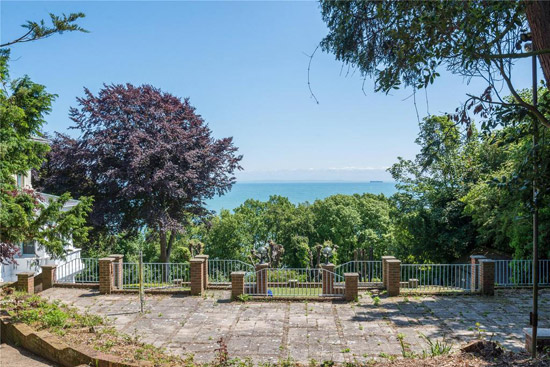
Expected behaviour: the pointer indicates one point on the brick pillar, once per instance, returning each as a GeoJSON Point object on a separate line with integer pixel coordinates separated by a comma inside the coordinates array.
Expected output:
{"type": "Point", "coordinates": [117, 270]}
{"type": "Point", "coordinates": [385, 270]}
{"type": "Point", "coordinates": [262, 278]}
{"type": "Point", "coordinates": [237, 284]}
{"type": "Point", "coordinates": [352, 286]}
{"type": "Point", "coordinates": [474, 273]}
{"type": "Point", "coordinates": [197, 277]}
{"type": "Point", "coordinates": [105, 275]}
{"type": "Point", "coordinates": [25, 282]}
{"type": "Point", "coordinates": [48, 276]}
{"type": "Point", "coordinates": [204, 269]}
{"type": "Point", "coordinates": [327, 276]}
{"type": "Point", "coordinates": [487, 277]}
{"type": "Point", "coordinates": [393, 270]}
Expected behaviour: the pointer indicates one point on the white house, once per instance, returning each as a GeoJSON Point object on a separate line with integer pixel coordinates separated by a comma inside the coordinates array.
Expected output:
{"type": "Point", "coordinates": [32, 255]}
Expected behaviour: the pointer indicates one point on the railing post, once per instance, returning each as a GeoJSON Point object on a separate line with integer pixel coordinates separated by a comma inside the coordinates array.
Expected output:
{"type": "Point", "coordinates": [197, 278]}
{"type": "Point", "coordinates": [117, 270]}
{"type": "Point", "coordinates": [237, 284]}
{"type": "Point", "coordinates": [474, 273]}
{"type": "Point", "coordinates": [487, 277]}
{"type": "Point", "coordinates": [393, 276]}
{"type": "Point", "coordinates": [351, 291]}
{"type": "Point", "coordinates": [105, 275]}
{"type": "Point", "coordinates": [25, 282]}
{"type": "Point", "coordinates": [327, 277]}
{"type": "Point", "coordinates": [262, 278]}
{"type": "Point", "coordinates": [204, 269]}
{"type": "Point", "coordinates": [48, 276]}
{"type": "Point", "coordinates": [385, 270]}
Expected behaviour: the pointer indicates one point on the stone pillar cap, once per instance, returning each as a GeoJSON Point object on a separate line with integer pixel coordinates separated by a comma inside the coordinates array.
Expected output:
{"type": "Point", "coordinates": [48, 266]}
{"type": "Point", "coordinates": [477, 256]}
{"type": "Point", "coordinates": [106, 259]}
{"type": "Point", "coordinates": [351, 275]}
{"type": "Point", "coordinates": [238, 273]}
{"type": "Point", "coordinates": [25, 273]}
{"type": "Point", "coordinates": [117, 256]}
{"type": "Point", "coordinates": [393, 261]}
{"type": "Point", "coordinates": [203, 256]}
{"type": "Point", "coordinates": [329, 264]}
{"type": "Point", "coordinates": [388, 257]}
{"type": "Point", "coordinates": [486, 260]}
{"type": "Point", "coordinates": [196, 260]}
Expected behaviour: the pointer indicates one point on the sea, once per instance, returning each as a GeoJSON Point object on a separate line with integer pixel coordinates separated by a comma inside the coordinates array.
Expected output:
{"type": "Point", "coordinates": [296, 192]}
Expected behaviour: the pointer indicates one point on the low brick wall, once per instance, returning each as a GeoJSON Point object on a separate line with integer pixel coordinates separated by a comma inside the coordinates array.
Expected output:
{"type": "Point", "coordinates": [49, 346]}
{"type": "Point", "coordinates": [77, 285]}
{"type": "Point", "coordinates": [153, 291]}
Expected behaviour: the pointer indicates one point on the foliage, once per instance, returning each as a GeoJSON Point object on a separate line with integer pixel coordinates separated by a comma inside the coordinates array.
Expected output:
{"type": "Point", "coordinates": [406, 43]}
{"type": "Point", "coordinates": [501, 205]}
{"type": "Point", "coordinates": [430, 220]}
{"type": "Point", "coordinates": [350, 222]}
{"type": "Point", "coordinates": [146, 156]}
{"type": "Point", "coordinates": [26, 215]}
{"type": "Point", "coordinates": [39, 30]}
{"type": "Point", "coordinates": [437, 348]}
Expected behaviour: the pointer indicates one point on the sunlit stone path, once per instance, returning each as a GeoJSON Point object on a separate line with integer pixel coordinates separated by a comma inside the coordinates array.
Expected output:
{"type": "Point", "coordinates": [267, 331]}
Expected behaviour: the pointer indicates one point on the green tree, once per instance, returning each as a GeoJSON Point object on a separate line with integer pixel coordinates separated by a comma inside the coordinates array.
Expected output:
{"type": "Point", "coordinates": [429, 213]}
{"type": "Point", "coordinates": [406, 43]}
{"type": "Point", "coordinates": [26, 215]}
{"type": "Point", "coordinates": [501, 204]}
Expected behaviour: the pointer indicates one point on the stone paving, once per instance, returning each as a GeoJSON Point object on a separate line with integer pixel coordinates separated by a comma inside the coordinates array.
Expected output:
{"type": "Point", "coordinates": [268, 331]}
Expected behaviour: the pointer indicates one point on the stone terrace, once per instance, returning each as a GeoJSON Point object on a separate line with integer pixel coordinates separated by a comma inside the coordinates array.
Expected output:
{"type": "Point", "coordinates": [267, 331]}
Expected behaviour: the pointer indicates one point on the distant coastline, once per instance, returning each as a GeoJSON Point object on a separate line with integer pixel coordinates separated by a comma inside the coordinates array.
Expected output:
{"type": "Point", "coordinates": [296, 191]}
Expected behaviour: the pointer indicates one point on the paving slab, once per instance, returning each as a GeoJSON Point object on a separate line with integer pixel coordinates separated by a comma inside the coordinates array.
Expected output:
{"type": "Point", "coordinates": [343, 332]}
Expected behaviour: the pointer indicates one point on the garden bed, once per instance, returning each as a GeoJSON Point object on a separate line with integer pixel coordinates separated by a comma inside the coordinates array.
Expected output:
{"type": "Point", "coordinates": [79, 331]}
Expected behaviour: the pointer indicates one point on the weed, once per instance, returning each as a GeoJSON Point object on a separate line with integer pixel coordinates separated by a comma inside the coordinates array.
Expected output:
{"type": "Point", "coordinates": [345, 350]}
{"type": "Point", "coordinates": [405, 347]}
{"type": "Point", "coordinates": [222, 356]}
{"type": "Point", "coordinates": [376, 301]}
{"type": "Point", "coordinates": [437, 348]}
{"type": "Point", "coordinates": [480, 332]}
{"type": "Point", "coordinates": [243, 297]}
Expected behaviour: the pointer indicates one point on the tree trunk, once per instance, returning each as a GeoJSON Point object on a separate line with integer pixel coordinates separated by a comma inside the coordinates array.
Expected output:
{"type": "Point", "coordinates": [165, 250]}
{"type": "Point", "coordinates": [164, 255]}
{"type": "Point", "coordinates": [538, 16]}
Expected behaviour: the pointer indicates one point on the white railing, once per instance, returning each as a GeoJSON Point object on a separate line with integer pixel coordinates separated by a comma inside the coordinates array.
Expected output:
{"type": "Point", "coordinates": [517, 273]}
{"type": "Point", "coordinates": [293, 282]}
{"type": "Point", "coordinates": [156, 275]}
{"type": "Point", "coordinates": [369, 271]}
{"type": "Point", "coordinates": [437, 277]}
{"type": "Point", "coordinates": [219, 271]}
{"type": "Point", "coordinates": [79, 270]}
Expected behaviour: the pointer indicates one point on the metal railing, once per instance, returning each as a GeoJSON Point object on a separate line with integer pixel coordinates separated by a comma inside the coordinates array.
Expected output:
{"type": "Point", "coordinates": [369, 271]}
{"type": "Point", "coordinates": [79, 270]}
{"type": "Point", "coordinates": [292, 282]}
{"type": "Point", "coordinates": [437, 277]}
{"type": "Point", "coordinates": [219, 271]}
{"type": "Point", "coordinates": [156, 275]}
{"type": "Point", "coordinates": [517, 273]}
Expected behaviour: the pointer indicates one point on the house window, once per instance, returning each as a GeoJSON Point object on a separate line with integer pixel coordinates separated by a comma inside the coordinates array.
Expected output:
{"type": "Point", "coordinates": [28, 248]}
{"type": "Point", "coordinates": [20, 180]}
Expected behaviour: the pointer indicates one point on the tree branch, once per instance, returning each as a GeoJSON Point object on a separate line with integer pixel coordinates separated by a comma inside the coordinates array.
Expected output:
{"type": "Point", "coordinates": [543, 120]}
{"type": "Point", "coordinates": [514, 55]}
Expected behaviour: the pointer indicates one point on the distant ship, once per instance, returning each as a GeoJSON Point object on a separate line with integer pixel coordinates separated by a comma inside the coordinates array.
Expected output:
{"type": "Point", "coordinates": [376, 181]}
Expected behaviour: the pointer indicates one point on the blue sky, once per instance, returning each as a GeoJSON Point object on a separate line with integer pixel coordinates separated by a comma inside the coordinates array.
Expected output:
{"type": "Point", "coordinates": [244, 67]}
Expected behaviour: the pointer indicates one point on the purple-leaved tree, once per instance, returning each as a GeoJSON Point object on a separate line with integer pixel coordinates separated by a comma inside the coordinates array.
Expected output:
{"type": "Point", "coordinates": [146, 156]}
